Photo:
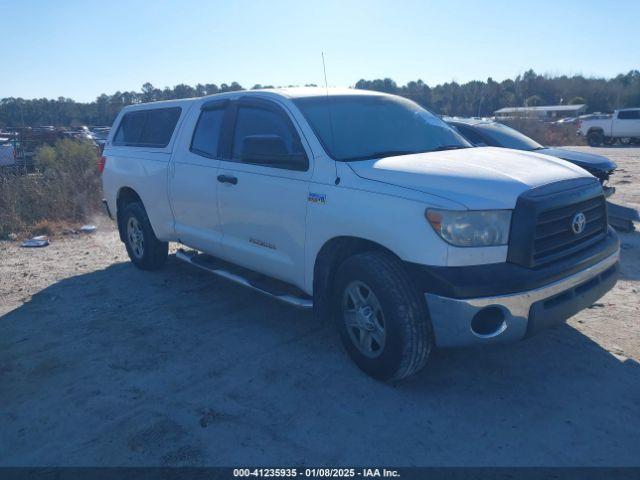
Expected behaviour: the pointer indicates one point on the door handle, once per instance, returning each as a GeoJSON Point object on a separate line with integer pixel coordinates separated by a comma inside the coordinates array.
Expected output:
{"type": "Point", "coordinates": [228, 179]}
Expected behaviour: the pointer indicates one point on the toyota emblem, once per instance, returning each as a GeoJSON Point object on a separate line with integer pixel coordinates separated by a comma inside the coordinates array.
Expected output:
{"type": "Point", "coordinates": [578, 223]}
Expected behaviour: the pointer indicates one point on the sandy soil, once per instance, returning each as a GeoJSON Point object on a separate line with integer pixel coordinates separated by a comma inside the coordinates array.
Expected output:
{"type": "Point", "coordinates": [102, 364]}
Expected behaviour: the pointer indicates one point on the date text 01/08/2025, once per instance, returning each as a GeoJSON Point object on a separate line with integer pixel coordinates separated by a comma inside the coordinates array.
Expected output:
{"type": "Point", "coordinates": [316, 472]}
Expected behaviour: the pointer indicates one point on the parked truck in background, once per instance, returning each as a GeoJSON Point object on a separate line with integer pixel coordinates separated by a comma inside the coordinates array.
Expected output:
{"type": "Point", "coordinates": [622, 126]}
{"type": "Point", "coordinates": [367, 208]}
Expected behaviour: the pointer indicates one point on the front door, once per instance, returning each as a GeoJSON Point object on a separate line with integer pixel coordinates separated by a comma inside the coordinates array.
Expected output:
{"type": "Point", "coordinates": [263, 190]}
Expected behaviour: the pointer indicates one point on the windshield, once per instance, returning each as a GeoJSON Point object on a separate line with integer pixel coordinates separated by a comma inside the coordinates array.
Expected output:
{"type": "Point", "coordinates": [507, 137]}
{"type": "Point", "coordinates": [361, 127]}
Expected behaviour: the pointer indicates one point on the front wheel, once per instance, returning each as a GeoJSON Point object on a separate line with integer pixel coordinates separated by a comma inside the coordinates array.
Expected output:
{"type": "Point", "coordinates": [382, 318]}
{"type": "Point", "coordinates": [143, 247]}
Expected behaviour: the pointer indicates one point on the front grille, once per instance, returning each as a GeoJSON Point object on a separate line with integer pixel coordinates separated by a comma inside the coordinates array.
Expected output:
{"type": "Point", "coordinates": [554, 237]}
{"type": "Point", "coordinates": [541, 225]}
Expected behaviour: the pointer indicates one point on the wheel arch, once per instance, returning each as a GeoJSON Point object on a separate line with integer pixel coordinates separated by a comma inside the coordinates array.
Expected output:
{"type": "Point", "coordinates": [329, 258]}
{"type": "Point", "coordinates": [126, 195]}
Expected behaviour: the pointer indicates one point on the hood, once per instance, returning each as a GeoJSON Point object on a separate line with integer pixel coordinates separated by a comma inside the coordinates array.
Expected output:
{"type": "Point", "coordinates": [583, 160]}
{"type": "Point", "coordinates": [478, 178]}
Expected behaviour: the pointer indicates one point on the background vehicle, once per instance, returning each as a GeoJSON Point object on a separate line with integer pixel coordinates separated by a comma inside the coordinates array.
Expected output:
{"type": "Point", "coordinates": [99, 135]}
{"type": "Point", "coordinates": [7, 152]}
{"type": "Point", "coordinates": [487, 133]}
{"type": "Point", "coordinates": [366, 207]}
{"type": "Point", "coordinates": [623, 126]}
{"type": "Point", "coordinates": [483, 133]}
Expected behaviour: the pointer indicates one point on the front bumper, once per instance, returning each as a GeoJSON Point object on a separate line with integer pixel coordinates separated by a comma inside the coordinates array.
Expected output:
{"type": "Point", "coordinates": [511, 317]}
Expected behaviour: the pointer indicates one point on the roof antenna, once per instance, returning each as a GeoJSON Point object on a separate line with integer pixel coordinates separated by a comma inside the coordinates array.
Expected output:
{"type": "Point", "coordinates": [333, 145]}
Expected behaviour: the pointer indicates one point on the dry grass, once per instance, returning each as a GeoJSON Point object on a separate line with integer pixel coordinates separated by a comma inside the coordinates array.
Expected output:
{"type": "Point", "coordinates": [546, 133]}
{"type": "Point", "coordinates": [64, 189]}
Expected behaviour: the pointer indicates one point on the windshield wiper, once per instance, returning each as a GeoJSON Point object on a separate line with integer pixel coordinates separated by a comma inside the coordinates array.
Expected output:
{"type": "Point", "coordinates": [448, 147]}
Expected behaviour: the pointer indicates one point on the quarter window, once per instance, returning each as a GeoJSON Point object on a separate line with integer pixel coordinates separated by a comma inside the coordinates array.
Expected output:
{"type": "Point", "coordinates": [207, 134]}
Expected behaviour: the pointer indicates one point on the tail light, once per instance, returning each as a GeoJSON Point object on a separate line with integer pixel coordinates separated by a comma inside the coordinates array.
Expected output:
{"type": "Point", "coordinates": [101, 164]}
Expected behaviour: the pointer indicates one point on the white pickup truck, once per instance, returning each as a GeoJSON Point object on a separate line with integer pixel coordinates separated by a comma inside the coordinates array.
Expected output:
{"type": "Point", "coordinates": [366, 207]}
{"type": "Point", "coordinates": [623, 126]}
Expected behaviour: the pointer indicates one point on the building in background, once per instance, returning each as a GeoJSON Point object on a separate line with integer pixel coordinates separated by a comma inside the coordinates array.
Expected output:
{"type": "Point", "coordinates": [544, 113]}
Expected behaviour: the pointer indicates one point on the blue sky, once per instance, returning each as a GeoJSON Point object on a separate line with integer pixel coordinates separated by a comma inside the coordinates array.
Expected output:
{"type": "Point", "coordinates": [80, 49]}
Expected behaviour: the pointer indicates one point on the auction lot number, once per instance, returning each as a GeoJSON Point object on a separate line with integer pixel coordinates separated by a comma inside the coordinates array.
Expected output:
{"type": "Point", "coordinates": [315, 472]}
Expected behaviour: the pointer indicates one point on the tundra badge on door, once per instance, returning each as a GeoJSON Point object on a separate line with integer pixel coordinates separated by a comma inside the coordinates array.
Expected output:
{"type": "Point", "coordinates": [317, 198]}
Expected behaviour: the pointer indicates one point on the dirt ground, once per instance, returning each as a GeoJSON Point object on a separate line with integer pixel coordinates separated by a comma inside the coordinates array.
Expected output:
{"type": "Point", "coordinates": [103, 364]}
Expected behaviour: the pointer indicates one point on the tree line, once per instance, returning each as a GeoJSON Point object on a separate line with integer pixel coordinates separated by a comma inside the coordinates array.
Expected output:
{"type": "Point", "coordinates": [475, 98]}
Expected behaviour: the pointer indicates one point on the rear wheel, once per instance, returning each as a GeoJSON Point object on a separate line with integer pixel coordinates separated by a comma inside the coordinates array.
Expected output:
{"type": "Point", "coordinates": [382, 318]}
{"type": "Point", "coordinates": [143, 247]}
{"type": "Point", "coordinates": [595, 139]}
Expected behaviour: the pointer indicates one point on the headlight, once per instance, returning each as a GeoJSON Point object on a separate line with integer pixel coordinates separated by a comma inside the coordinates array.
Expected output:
{"type": "Point", "coordinates": [475, 228]}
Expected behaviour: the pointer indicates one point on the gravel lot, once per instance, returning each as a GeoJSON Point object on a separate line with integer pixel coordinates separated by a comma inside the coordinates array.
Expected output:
{"type": "Point", "coordinates": [102, 364]}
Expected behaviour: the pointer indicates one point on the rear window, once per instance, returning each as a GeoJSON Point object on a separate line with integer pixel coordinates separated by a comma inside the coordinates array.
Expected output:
{"type": "Point", "coordinates": [147, 128]}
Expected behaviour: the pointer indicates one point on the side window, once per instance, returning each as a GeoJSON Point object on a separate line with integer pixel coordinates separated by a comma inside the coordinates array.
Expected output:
{"type": "Point", "coordinates": [147, 128]}
{"type": "Point", "coordinates": [130, 128]}
{"type": "Point", "coordinates": [207, 133]}
{"type": "Point", "coordinates": [629, 115]}
{"type": "Point", "coordinates": [159, 127]}
{"type": "Point", "coordinates": [266, 137]}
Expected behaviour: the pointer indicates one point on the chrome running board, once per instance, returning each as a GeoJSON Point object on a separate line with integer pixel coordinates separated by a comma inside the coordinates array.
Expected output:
{"type": "Point", "coordinates": [259, 283]}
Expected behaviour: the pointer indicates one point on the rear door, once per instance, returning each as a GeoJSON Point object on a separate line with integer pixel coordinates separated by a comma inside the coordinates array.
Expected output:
{"type": "Point", "coordinates": [193, 184]}
{"type": "Point", "coordinates": [263, 190]}
{"type": "Point", "coordinates": [627, 124]}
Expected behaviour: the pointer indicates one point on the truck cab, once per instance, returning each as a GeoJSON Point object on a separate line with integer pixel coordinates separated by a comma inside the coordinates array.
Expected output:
{"type": "Point", "coordinates": [367, 208]}
{"type": "Point", "coordinates": [622, 126]}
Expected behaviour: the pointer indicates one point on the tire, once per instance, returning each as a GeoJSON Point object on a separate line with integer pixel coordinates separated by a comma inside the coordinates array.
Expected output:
{"type": "Point", "coordinates": [144, 249]}
{"type": "Point", "coordinates": [389, 336]}
{"type": "Point", "coordinates": [595, 139]}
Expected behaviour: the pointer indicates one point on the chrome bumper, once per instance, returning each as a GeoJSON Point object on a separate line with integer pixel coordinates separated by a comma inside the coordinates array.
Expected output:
{"type": "Point", "coordinates": [452, 318]}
